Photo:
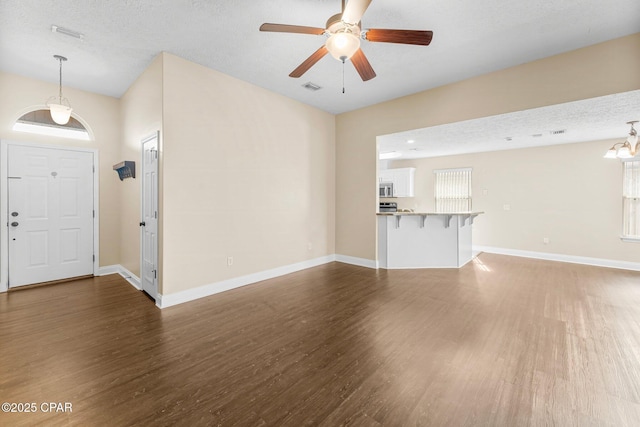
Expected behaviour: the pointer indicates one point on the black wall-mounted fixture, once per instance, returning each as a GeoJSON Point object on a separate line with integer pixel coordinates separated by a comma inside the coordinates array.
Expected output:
{"type": "Point", "coordinates": [126, 169]}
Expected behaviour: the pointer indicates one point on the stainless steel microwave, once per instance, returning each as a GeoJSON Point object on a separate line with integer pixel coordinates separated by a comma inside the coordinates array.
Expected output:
{"type": "Point", "coordinates": [386, 189]}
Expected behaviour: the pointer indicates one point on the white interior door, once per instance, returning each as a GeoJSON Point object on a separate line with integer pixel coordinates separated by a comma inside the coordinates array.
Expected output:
{"type": "Point", "coordinates": [149, 224]}
{"type": "Point", "coordinates": [50, 211]}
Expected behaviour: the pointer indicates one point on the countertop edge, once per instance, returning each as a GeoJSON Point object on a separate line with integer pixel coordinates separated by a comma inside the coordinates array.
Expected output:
{"type": "Point", "coordinates": [426, 213]}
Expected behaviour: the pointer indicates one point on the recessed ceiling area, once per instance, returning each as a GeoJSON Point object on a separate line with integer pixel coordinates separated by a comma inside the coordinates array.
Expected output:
{"type": "Point", "coordinates": [580, 121]}
{"type": "Point", "coordinates": [121, 38]}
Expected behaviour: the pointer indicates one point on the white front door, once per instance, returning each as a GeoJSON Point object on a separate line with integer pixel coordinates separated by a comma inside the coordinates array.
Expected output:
{"type": "Point", "coordinates": [149, 224]}
{"type": "Point", "coordinates": [50, 212]}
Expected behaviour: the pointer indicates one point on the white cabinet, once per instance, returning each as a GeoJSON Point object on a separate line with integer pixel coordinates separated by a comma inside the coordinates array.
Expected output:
{"type": "Point", "coordinates": [402, 179]}
{"type": "Point", "coordinates": [403, 183]}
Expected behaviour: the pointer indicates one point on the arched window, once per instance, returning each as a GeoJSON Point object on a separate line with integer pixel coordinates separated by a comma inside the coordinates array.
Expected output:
{"type": "Point", "coordinates": [40, 122]}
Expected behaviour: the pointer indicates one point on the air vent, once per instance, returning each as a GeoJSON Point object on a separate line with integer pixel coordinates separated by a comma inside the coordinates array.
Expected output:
{"type": "Point", "coordinates": [67, 32]}
{"type": "Point", "coordinates": [311, 86]}
{"type": "Point", "coordinates": [558, 132]}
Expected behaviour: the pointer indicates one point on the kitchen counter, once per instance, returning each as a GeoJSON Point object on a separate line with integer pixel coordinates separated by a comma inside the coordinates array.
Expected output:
{"type": "Point", "coordinates": [429, 213]}
{"type": "Point", "coordinates": [425, 239]}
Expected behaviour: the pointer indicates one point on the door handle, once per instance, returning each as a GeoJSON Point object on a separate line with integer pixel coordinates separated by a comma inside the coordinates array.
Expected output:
{"type": "Point", "coordinates": [14, 224]}
{"type": "Point", "coordinates": [14, 213]}
{"type": "Point", "coordinates": [142, 224]}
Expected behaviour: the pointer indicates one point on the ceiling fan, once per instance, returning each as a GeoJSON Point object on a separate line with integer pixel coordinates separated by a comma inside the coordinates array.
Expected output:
{"type": "Point", "coordinates": [343, 42]}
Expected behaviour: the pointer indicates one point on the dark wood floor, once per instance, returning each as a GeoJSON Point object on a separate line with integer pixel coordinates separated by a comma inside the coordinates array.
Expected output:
{"type": "Point", "coordinates": [503, 341]}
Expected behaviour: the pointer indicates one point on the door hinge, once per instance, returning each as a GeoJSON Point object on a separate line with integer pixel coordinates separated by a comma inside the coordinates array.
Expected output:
{"type": "Point", "coordinates": [94, 213]}
{"type": "Point", "coordinates": [93, 168]}
{"type": "Point", "coordinates": [94, 257]}
{"type": "Point", "coordinates": [155, 214]}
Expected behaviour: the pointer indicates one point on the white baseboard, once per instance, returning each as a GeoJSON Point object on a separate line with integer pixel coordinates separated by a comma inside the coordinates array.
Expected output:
{"type": "Point", "coordinates": [164, 301]}
{"type": "Point", "coordinates": [108, 269]}
{"type": "Point", "coordinates": [126, 274]}
{"type": "Point", "coordinates": [362, 262]}
{"type": "Point", "coordinates": [598, 262]}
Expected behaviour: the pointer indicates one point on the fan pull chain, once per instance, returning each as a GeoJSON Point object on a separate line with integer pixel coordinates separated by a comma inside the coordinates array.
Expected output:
{"type": "Point", "coordinates": [343, 76]}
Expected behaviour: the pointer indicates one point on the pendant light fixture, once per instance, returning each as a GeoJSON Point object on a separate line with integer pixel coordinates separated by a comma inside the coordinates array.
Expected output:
{"type": "Point", "coordinates": [626, 149]}
{"type": "Point", "coordinates": [59, 106]}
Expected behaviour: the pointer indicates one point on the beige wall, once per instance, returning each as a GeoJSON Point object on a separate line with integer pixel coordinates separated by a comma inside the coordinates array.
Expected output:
{"type": "Point", "coordinates": [243, 172]}
{"type": "Point", "coordinates": [141, 116]}
{"type": "Point", "coordinates": [21, 94]}
{"type": "Point", "coordinates": [567, 193]}
{"type": "Point", "coordinates": [598, 70]}
{"type": "Point", "coordinates": [247, 173]}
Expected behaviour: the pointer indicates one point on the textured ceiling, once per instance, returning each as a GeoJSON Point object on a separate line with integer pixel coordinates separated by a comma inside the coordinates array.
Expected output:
{"type": "Point", "coordinates": [471, 37]}
{"type": "Point", "coordinates": [587, 120]}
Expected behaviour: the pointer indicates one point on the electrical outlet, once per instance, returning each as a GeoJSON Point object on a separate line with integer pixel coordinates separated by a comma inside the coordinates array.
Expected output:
{"type": "Point", "coordinates": [485, 192]}
{"type": "Point", "coordinates": [309, 246]}
{"type": "Point", "coordinates": [229, 261]}
{"type": "Point", "coordinates": [506, 207]}
{"type": "Point", "coordinates": [545, 240]}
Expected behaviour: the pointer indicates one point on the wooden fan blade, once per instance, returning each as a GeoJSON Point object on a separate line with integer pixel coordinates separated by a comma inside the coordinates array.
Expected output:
{"type": "Point", "coordinates": [362, 65]}
{"type": "Point", "coordinates": [399, 36]}
{"type": "Point", "coordinates": [309, 62]}
{"type": "Point", "coordinates": [283, 28]}
{"type": "Point", "coordinates": [354, 10]}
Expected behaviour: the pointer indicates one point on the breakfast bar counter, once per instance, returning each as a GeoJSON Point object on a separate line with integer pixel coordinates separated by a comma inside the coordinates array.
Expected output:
{"type": "Point", "coordinates": [425, 239]}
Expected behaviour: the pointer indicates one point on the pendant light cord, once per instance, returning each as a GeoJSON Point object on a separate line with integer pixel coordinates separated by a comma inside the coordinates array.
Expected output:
{"type": "Point", "coordinates": [60, 93]}
{"type": "Point", "coordinates": [60, 60]}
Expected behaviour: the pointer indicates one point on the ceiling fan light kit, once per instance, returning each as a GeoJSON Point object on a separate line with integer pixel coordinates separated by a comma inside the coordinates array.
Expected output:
{"type": "Point", "coordinates": [626, 149]}
{"type": "Point", "coordinates": [343, 45]}
{"type": "Point", "coordinates": [59, 106]}
{"type": "Point", "coordinates": [344, 35]}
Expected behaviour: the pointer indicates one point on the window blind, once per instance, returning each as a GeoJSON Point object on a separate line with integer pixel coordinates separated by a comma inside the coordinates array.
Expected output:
{"type": "Point", "coordinates": [631, 199]}
{"type": "Point", "coordinates": [453, 190]}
